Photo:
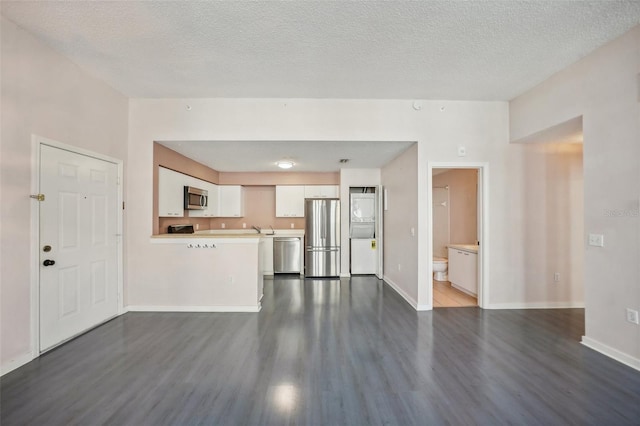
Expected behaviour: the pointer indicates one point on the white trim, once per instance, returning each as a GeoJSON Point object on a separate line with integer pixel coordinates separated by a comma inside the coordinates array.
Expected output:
{"type": "Point", "coordinates": [16, 363]}
{"type": "Point", "coordinates": [536, 305]}
{"type": "Point", "coordinates": [345, 275]}
{"type": "Point", "coordinates": [35, 248]}
{"type": "Point", "coordinates": [402, 293]}
{"type": "Point", "coordinates": [193, 239]}
{"type": "Point", "coordinates": [619, 356]}
{"type": "Point", "coordinates": [36, 141]}
{"type": "Point", "coordinates": [218, 308]}
{"type": "Point", "coordinates": [483, 232]}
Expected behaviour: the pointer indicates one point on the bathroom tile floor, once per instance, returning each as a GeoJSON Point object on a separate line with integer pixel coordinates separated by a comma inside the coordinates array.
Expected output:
{"type": "Point", "coordinates": [445, 296]}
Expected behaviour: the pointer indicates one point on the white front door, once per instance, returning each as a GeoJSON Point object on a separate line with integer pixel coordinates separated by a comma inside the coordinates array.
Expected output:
{"type": "Point", "coordinates": [78, 244]}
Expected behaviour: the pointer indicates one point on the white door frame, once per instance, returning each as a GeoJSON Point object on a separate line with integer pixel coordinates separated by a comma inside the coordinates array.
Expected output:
{"type": "Point", "coordinates": [36, 142]}
{"type": "Point", "coordinates": [483, 230]}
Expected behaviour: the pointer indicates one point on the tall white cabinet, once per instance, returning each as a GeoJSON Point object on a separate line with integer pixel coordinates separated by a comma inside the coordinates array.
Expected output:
{"type": "Point", "coordinates": [290, 201]}
{"type": "Point", "coordinates": [230, 201]}
{"type": "Point", "coordinates": [170, 193]}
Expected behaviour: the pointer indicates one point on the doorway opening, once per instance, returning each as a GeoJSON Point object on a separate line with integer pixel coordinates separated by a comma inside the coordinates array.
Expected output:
{"type": "Point", "coordinates": [365, 230]}
{"type": "Point", "coordinates": [455, 237]}
{"type": "Point", "coordinates": [457, 226]}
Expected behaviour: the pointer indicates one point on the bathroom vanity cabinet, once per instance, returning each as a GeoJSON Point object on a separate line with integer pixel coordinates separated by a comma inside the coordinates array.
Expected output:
{"type": "Point", "coordinates": [463, 270]}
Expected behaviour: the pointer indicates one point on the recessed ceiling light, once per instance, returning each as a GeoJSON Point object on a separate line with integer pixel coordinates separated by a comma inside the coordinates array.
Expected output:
{"type": "Point", "coordinates": [285, 164]}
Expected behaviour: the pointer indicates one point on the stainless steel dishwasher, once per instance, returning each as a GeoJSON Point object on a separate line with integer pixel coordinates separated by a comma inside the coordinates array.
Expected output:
{"type": "Point", "coordinates": [286, 255]}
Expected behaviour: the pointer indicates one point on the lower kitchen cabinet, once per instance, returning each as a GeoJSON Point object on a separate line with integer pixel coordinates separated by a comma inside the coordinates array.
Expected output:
{"type": "Point", "coordinates": [463, 270]}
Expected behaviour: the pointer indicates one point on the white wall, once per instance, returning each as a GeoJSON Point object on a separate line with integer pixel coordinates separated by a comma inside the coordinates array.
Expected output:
{"type": "Point", "coordinates": [549, 200]}
{"type": "Point", "coordinates": [43, 93]}
{"type": "Point", "coordinates": [400, 181]}
{"type": "Point", "coordinates": [482, 126]}
{"type": "Point", "coordinates": [349, 178]}
{"type": "Point", "coordinates": [603, 89]}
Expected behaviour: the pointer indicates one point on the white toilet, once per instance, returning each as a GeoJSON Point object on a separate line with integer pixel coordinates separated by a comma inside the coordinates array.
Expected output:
{"type": "Point", "coordinates": [440, 268]}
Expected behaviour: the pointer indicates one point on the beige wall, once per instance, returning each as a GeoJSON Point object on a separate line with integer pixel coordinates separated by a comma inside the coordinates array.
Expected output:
{"type": "Point", "coordinates": [279, 178]}
{"type": "Point", "coordinates": [43, 93]}
{"type": "Point", "coordinates": [260, 193]}
{"type": "Point", "coordinates": [463, 203]}
{"type": "Point", "coordinates": [400, 180]}
{"type": "Point", "coordinates": [165, 157]}
{"type": "Point", "coordinates": [602, 88]}
{"type": "Point", "coordinates": [259, 210]}
{"type": "Point", "coordinates": [553, 223]}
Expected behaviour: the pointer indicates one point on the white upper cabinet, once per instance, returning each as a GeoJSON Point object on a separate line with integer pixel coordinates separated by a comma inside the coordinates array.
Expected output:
{"type": "Point", "coordinates": [321, 191]}
{"type": "Point", "coordinates": [230, 201]}
{"type": "Point", "coordinates": [212, 199]}
{"type": "Point", "coordinates": [170, 193]}
{"type": "Point", "coordinates": [290, 200]}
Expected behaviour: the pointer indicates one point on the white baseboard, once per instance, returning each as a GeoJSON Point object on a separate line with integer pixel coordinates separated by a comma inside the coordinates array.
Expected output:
{"type": "Point", "coordinates": [619, 356]}
{"type": "Point", "coordinates": [16, 363]}
{"type": "Point", "coordinates": [345, 275]}
{"type": "Point", "coordinates": [154, 308]}
{"type": "Point", "coordinates": [402, 293]}
{"type": "Point", "coordinates": [536, 305]}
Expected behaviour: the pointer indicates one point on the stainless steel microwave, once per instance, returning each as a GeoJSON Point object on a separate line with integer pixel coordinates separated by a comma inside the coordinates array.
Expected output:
{"type": "Point", "coordinates": [195, 198]}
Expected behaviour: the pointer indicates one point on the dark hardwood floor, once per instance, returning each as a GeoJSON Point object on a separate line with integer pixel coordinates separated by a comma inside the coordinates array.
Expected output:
{"type": "Point", "coordinates": [327, 352]}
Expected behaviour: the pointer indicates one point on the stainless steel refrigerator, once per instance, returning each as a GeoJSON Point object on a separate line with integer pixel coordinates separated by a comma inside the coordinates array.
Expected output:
{"type": "Point", "coordinates": [322, 237]}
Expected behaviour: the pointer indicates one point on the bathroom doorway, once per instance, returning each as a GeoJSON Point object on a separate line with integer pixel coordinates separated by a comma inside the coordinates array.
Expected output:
{"type": "Point", "coordinates": [456, 229]}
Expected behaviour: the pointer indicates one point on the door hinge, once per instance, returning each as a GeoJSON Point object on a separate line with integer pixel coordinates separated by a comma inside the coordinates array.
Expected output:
{"type": "Point", "coordinates": [39, 197]}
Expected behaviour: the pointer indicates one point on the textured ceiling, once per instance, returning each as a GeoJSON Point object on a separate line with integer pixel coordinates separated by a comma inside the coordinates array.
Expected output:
{"type": "Point", "coordinates": [308, 156]}
{"type": "Point", "coordinates": [479, 50]}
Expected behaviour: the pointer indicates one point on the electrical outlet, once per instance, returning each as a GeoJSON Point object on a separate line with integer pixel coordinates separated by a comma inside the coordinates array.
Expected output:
{"type": "Point", "coordinates": [244, 226]}
{"type": "Point", "coordinates": [230, 279]}
{"type": "Point", "coordinates": [462, 151]}
{"type": "Point", "coordinates": [632, 316]}
{"type": "Point", "coordinates": [223, 226]}
{"type": "Point", "coordinates": [556, 277]}
{"type": "Point", "coordinates": [596, 240]}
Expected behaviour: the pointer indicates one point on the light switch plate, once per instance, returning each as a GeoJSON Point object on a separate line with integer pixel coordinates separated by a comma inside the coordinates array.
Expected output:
{"type": "Point", "coordinates": [632, 316]}
{"type": "Point", "coordinates": [462, 151]}
{"type": "Point", "coordinates": [596, 240]}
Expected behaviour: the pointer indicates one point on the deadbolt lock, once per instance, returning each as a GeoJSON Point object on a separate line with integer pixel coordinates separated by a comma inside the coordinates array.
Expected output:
{"type": "Point", "coordinates": [46, 249]}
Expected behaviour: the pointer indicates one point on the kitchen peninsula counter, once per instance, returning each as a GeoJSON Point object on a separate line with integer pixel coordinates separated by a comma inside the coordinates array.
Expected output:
{"type": "Point", "coordinates": [205, 272]}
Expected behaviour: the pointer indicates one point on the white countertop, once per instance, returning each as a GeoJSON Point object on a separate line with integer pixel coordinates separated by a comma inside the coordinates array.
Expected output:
{"type": "Point", "coordinates": [471, 248]}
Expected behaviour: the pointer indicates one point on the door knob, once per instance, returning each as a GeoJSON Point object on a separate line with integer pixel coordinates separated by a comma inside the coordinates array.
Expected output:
{"type": "Point", "coordinates": [49, 262]}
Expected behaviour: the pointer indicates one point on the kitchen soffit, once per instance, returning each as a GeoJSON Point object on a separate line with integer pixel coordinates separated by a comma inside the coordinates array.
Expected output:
{"type": "Point", "coordinates": [308, 156]}
{"type": "Point", "coordinates": [478, 50]}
